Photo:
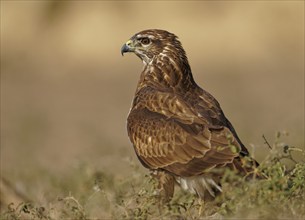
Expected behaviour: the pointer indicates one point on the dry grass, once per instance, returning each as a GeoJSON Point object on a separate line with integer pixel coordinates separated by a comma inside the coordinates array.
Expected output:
{"type": "Point", "coordinates": [91, 194]}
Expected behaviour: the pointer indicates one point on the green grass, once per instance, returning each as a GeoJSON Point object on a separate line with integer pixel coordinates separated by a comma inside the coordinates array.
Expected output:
{"type": "Point", "coordinates": [87, 193]}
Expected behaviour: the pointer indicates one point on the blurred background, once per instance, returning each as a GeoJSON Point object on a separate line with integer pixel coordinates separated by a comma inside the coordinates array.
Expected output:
{"type": "Point", "coordinates": [66, 90]}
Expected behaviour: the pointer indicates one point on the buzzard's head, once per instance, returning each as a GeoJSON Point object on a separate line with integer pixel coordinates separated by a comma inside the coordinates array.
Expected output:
{"type": "Point", "coordinates": [150, 44]}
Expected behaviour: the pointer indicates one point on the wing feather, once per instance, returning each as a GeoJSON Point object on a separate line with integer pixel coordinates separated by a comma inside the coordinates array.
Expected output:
{"type": "Point", "coordinates": [182, 149]}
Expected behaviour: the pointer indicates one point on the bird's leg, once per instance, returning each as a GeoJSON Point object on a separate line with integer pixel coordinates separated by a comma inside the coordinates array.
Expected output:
{"type": "Point", "coordinates": [166, 185]}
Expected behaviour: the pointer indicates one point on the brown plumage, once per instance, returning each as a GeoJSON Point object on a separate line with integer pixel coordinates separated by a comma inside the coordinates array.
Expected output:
{"type": "Point", "coordinates": [178, 130]}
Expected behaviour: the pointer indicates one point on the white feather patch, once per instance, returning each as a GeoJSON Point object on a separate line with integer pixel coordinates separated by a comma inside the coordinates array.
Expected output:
{"type": "Point", "coordinates": [198, 185]}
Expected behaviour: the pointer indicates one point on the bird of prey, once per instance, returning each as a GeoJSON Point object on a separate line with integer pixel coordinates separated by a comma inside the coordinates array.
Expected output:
{"type": "Point", "coordinates": [178, 130]}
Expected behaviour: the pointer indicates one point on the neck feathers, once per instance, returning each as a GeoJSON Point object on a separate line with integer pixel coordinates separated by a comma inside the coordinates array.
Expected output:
{"type": "Point", "coordinates": [168, 70]}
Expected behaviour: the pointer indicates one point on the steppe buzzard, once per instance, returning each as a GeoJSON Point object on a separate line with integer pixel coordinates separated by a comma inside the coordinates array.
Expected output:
{"type": "Point", "coordinates": [178, 130]}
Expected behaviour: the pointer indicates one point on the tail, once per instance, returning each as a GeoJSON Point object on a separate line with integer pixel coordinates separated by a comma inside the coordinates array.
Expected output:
{"type": "Point", "coordinates": [246, 166]}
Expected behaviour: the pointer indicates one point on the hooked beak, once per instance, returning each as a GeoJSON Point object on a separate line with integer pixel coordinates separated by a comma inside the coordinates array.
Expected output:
{"type": "Point", "coordinates": [127, 47]}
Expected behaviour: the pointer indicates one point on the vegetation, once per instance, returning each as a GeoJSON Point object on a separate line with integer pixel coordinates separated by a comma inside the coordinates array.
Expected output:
{"type": "Point", "coordinates": [94, 194]}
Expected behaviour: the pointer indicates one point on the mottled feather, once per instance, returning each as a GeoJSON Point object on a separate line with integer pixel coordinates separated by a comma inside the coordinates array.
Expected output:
{"type": "Point", "coordinates": [176, 127]}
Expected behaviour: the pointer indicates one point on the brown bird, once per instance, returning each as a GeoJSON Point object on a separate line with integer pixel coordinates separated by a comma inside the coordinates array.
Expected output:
{"type": "Point", "coordinates": [178, 130]}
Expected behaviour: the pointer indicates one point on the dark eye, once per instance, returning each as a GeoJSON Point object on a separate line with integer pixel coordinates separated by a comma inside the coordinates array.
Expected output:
{"type": "Point", "coordinates": [145, 40]}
